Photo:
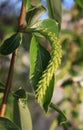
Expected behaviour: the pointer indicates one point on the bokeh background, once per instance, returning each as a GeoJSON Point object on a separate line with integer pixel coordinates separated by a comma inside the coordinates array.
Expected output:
{"type": "Point", "coordinates": [68, 93]}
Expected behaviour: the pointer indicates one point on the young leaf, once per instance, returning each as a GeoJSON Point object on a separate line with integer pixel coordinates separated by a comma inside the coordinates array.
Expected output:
{"type": "Point", "coordinates": [43, 85]}
{"type": "Point", "coordinates": [6, 124]}
{"type": "Point", "coordinates": [54, 10]}
{"type": "Point", "coordinates": [33, 14]}
{"type": "Point", "coordinates": [10, 44]}
{"type": "Point", "coordinates": [53, 106]}
{"type": "Point", "coordinates": [38, 61]}
{"type": "Point", "coordinates": [48, 24]}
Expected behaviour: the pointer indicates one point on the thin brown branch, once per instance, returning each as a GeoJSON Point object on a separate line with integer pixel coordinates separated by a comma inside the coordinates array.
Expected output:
{"type": "Point", "coordinates": [22, 16]}
{"type": "Point", "coordinates": [10, 74]}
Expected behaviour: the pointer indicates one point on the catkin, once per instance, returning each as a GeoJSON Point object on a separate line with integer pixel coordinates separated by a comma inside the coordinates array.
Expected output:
{"type": "Point", "coordinates": [52, 66]}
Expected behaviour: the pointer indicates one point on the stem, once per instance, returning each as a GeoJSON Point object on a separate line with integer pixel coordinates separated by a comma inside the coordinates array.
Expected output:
{"type": "Point", "coordinates": [22, 16]}
{"type": "Point", "coordinates": [8, 85]}
{"type": "Point", "coordinates": [11, 68]}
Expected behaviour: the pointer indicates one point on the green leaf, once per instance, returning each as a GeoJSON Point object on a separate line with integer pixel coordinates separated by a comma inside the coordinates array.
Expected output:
{"type": "Point", "coordinates": [10, 44]}
{"type": "Point", "coordinates": [33, 59]}
{"type": "Point", "coordinates": [16, 113]}
{"type": "Point", "coordinates": [54, 10]}
{"type": "Point", "coordinates": [22, 115]}
{"type": "Point", "coordinates": [53, 106]}
{"type": "Point", "coordinates": [80, 3]}
{"type": "Point", "coordinates": [38, 61]}
{"type": "Point", "coordinates": [33, 14]}
{"type": "Point", "coordinates": [6, 124]}
{"type": "Point", "coordinates": [48, 24]}
{"type": "Point", "coordinates": [23, 118]}
{"type": "Point", "coordinates": [42, 79]}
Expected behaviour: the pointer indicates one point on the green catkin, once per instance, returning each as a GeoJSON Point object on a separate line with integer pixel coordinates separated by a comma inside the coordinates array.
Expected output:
{"type": "Point", "coordinates": [53, 64]}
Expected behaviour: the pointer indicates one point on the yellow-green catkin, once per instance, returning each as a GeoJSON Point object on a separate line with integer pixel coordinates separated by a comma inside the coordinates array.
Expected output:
{"type": "Point", "coordinates": [52, 66]}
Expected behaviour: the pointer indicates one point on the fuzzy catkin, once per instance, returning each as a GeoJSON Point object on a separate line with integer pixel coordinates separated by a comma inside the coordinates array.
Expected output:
{"type": "Point", "coordinates": [52, 66]}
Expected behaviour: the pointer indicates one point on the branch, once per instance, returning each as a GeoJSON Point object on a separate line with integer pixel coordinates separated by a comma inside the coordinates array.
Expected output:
{"type": "Point", "coordinates": [11, 68]}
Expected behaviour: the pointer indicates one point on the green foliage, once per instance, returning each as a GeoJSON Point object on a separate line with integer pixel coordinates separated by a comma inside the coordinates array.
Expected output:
{"type": "Point", "coordinates": [39, 61]}
{"type": "Point", "coordinates": [43, 66]}
{"type": "Point", "coordinates": [48, 73]}
{"type": "Point", "coordinates": [17, 112]}
{"type": "Point", "coordinates": [44, 80]}
{"type": "Point", "coordinates": [10, 44]}
{"type": "Point", "coordinates": [43, 63]}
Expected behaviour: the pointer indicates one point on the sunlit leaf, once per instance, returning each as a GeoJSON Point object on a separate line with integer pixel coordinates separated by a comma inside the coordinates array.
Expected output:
{"type": "Point", "coordinates": [38, 61]}
{"type": "Point", "coordinates": [37, 64]}
{"type": "Point", "coordinates": [25, 117]}
{"type": "Point", "coordinates": [33, 14]}
{"type": "Point", "coordinates": [49, 24]}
